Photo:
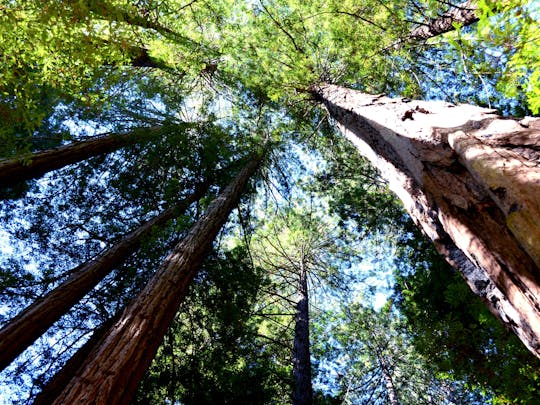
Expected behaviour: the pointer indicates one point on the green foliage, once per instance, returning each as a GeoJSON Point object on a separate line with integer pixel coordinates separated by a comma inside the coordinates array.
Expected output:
{"type": "Point", "coordinates": [454, 329]}
{"type": "Point", "coordinates": [357, 193]}
{"type": "Point", "coordinates": [280, 48]}
{"type": "Point", "coordinates": [60, 50]}
{"type": "Point", "coordinates": [215, 76]}
{"type": "Point", "coordinates": [505, 47]}
{"type": "Point", "coordinates": [371, 355]}
{"type": "Point", "coordinates": [212, 353]}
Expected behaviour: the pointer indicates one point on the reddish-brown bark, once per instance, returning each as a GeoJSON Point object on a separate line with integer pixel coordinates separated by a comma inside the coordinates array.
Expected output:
{"type": "Point", "coordinates": [114, 368]}
{"type": "Point", "coordinates": [470, 180]}
{"type": "Point", "coordinates": [58, 382]}
{"type": "Point", "coordinates": [13, 171]}
{"type": "Point", "coordinates": [32, 322]}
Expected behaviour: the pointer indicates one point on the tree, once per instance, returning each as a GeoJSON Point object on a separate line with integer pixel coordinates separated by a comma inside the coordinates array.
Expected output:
{"type": "Point", "coordinates": [116, 365]}
{"type": "Point", "coordinates": [31, 323]}
{"type": "Point", "coordinates": [510, 27]}
{"type": "Point", "coordinates": [451, 326]}
{"type": "Point", "coordinates": [83, 54]}
{"type": "Point", "coordinates": [13, 171]}
{"type": "Point", "coordinates": [462, 14]}
{"type": "Point", "coordinates": [212, 352]}
{"type": "Point", "coordinates": [467, 178]}
{"type": "Point", "coordinates": [300, 252]}
{"type": "Point", "coordinates": [286, 252]}
{"type": "Point", "coordinates": [74, 46]}
{"type": "Point", "coordinates": [57, 383]}
{"type": "Point", "coordinates": [370, 358]}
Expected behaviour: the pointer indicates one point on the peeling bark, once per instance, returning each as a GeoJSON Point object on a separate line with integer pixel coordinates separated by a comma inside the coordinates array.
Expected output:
{"type": "Point", "coordinates": [470, 180]}
{"type": "Point", "coordinates": [112, 371]}
{"type": "Point", "coordinates": [303, 390]}
{"type": "Point", "coordinates": [14, 171]}
{"type": "Point", "coordinates": [32, 322]}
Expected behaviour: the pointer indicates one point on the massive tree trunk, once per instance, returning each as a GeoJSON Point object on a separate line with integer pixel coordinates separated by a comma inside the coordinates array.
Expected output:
{"type": "Point", "coordinates": [303, 390]}
{"type": "Point", "coordinates": [13, 171]}
{"type": "Point", "coordinates": [112, 371]}
{"type": "Point", "coordinates": [32, 322]}
{"type": "Point", "coordinates": [470, 180]}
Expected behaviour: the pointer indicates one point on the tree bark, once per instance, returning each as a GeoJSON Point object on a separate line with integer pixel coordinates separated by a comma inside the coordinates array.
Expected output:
{"type": "Point", "coordinates": [112, 371]}
{"type": "Point", "coordinates": [470, 180]}
{"type": "Point", "coordinates": [32, 322]}
{"type": "Point", "coordinates": [303, 390]}
{"type": "Point", "coordinates": [13, 171]}
{"type": "Point", "coordinates": [58, 382]}
{"type": "Point", "coordinates": [463, 13]}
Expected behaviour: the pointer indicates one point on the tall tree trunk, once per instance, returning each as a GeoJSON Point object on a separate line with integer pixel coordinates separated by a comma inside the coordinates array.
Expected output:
{"type": "Point", "coordinates": [13, 171]}
{"type": "Point", "coordinates": [387, 377]}
{"type": "Point", "coordinates": [463, 13]}
{"type": "Point", "coordinates": [58, 382]}
{"type": "Point", "coordinates": [32, 322]}
{"type": "Point", "coordinates": [112, 371]}
{"type": "Point", "coordinates": [470, 180]}
{"type": "Point", "coordinates": [302, 390]}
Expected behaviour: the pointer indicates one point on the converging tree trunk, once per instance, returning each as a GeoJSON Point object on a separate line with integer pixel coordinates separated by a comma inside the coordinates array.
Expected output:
{"type": "Point", "coordinates": [15, 170]}
{"type": "Point", "coordinates": [302, 390]}
{"type": "Point", "coordinates": [112, 371]}
{"type": "Point", "coordinates": [470, 180]}
{"type": "Point", "coordinates": [32, 322]}
{"type": "Point", "coordinates": [58, 382]}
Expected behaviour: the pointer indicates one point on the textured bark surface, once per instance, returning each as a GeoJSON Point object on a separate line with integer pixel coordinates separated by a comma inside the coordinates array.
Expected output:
{"type": "Point", "coordinates": [14, 171]}
{"type": "Point", "coordinates": [470, 180]}
{"type": "Point", "coordinates": [58, 382]}
{"type": "Point", "coordinates": [463, 13]}
{"type": "Point", "coordinates": [303, 390]}
{"type": "Point", "coordinates": [32, 322]}
{"type": "Point", "coordinates": [112, 371]}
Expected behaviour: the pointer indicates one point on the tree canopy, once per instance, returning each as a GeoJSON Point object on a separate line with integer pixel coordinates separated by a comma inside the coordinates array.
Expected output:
{"type": "Point", "coordinates": [116, 111]}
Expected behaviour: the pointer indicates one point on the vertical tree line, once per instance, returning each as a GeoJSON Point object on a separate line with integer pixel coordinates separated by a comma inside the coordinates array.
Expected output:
{"type": "Point", "coordinates": [115, 366]}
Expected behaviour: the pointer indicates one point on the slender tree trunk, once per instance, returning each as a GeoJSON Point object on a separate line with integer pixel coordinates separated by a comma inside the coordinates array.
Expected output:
{"type": "Point", "coordinates": [470, 180]}
{"type": "Point", "coordinates": [112, 371]}
{"type": "Point", "coordinates": [463, 13]}
{"type": "Point", "coordinates": [32, 322]}
{"type": "Point", "coordinates": [303, 390]}
{"type": "Point", "coordinates": [13, 171]}
{"type": "Point", "coordinates": [388, 381]}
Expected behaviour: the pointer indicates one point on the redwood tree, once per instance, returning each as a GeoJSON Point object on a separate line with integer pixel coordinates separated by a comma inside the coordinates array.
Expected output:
{"type": "Point", "coordinates": [470, 180]}
{"type": "Point", "coordinates": [32, 322]}
{"type": "Point", "coordinates": [113, 369]}
{"type": "Point", "coordinates": [302, 388]}
{"type": "Point", "coordinates": [15, 170]}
